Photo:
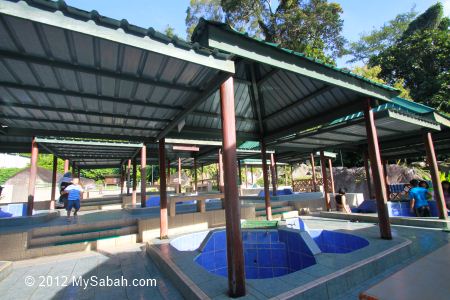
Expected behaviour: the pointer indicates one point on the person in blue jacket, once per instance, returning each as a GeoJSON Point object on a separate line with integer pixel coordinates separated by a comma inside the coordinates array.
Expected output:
{"type": "Point", "coordinates": [418, 199]}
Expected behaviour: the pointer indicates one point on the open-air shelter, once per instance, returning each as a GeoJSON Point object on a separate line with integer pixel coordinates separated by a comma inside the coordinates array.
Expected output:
{"type": "Point", "coordinates": [71, 73]}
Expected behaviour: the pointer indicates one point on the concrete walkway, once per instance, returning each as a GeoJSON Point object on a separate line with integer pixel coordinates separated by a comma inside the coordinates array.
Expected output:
{"type": "Point", "coordinates": [52, 277]}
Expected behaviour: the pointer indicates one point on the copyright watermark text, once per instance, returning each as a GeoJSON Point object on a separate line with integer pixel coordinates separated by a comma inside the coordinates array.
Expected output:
{"type": "Point", "coordinates": [85, 282]}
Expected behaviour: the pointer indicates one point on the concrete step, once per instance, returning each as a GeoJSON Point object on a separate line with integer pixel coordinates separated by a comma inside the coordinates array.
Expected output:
{"type": "Point", "coordinates": [103, 243]}
{"type": "Point", "coordinates": [80, 228]}
{"type": "Point", "coordinates": [275, 210]}
{"type": "Point", "coordinates": [88, 234]}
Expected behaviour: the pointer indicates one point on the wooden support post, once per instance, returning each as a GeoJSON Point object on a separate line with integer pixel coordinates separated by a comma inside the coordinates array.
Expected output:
{"type": "Point", "coordinates": [273, 174]}
{"type": "Point", "coordinates": [33, 175]}
{"type": "Point", "coordinates": [325, 181]}
{"type": "Point", "coordinates": [53, 193]}
{"type": "Point", "coordinates": [73, 170]}
{"type": "Point", "coordinates": [377, 172]}
{"type": "Point", "coordinates": [144, 176]}
{"type": "Point", "coordinates": [78, 173]}
{"type": "Point", "coordinates": [235, 253]}
{"type": "Point", "coordinates": [251, 174]}
{"type": "Point", "coordinates": [66, 166]}
{"type": "Point", "coordinates": [266, 181]}
{"type": "Point", "coordinates": [128, 176]}
{"type": "Point", "coordinates": [153, 179]}
{"type": "Point", "coordinates": [368, 175]}
{"type": "Point", "coordinates": [330, 166]}
{"type": "Point", "coordinates": [434, 171]}
{"type": "Point", "coordinates": [164, 223]}
{"type": "Point", "coordinates": [313, 167]}
{"type": "Point", "coordinates": [221, 179]}
{"type": "Point", "coordinates": [195, 174]}
{"type": "Point", "coordinates": [239, 172]}
{"type": "Point", "coordinates": [133, 193]}
{"type": "Point", "coordinates": [179, 175]}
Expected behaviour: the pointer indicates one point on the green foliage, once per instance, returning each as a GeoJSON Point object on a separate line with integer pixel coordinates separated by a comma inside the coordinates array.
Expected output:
{"type": "Point", "coordinates": [373, 73]}
{"type": "Point", "coordinates": [377, 40]}
{"type": "Point", "coordinates": [422, 59]}
{"type": "Point", "coordinates": [46, 161]}
{"type": "Point", "coordinates": [442, 177]}
{"type": "Point", "coordinates": [7, 173]}
{"type": "Point", "coordinates": [312, 27]}
{"type": "Point", "coordinates": [170, 31]}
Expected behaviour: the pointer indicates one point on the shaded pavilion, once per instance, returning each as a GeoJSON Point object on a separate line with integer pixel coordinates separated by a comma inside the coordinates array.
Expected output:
{"type": "Point", "coordinates": [405, 129]}
{"type": "Point", "coordinates": [71, 73]}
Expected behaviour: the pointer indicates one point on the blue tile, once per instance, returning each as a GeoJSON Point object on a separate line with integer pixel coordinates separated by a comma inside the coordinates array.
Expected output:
{"type": "Point", "coordinates": [274, 237]}
{"type": "Point", "coordinates": [220, 241]}
{"type": "Point", "coordinates": [209, 246]}
{"type": "Point", "coordinates": [279, 258]}
{"type": "Point", "coordinates": [263, 237]}
{"type": "Point", "coordinates": [279, 271]}
{"type": "Point", "coordinates": [220, 258]}
{"type": "Point", "coordinates": [265, 273]}
{"type": "Point", "coordinates": [251, 257]}
{"type": "Point", "coordinates": [264, 246]}
{"type": "Point", "coordinates": [208, 261]}
{"type": "Point", "coordinates": [251, 273]}
{"type": "Point", "coordinates": [264, 258]}
{"type": "Point", "coordinates": [279, 246]}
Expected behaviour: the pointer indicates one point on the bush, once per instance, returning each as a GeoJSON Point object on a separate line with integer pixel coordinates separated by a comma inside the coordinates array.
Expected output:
{"type": "Point", "coordinates": [7, 173]}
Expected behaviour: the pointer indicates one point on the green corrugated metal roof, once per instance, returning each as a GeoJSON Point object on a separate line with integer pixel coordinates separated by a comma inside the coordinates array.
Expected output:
{"type": "Point", "coordinates": [397, 103]}
{"type": "Point", "coordinates": [203, 22]}
{"type": "Point", "coordinates": [249, 145]}
{"type": "Point", "coordinates": [100, 20]}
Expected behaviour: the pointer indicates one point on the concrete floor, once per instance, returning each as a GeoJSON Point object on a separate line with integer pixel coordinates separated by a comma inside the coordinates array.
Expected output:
{"type": "Point", "coordinates": [53, 277]}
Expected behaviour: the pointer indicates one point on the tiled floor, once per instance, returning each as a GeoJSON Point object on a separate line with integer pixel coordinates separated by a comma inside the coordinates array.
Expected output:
{"type": "Point", "coordinates": [131, 263]}
{"type": "Point", "coordinates": [346, 287]}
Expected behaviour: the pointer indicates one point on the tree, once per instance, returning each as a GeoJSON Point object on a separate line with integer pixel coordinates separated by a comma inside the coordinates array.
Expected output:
{"type": "Point", "coordinates": [169, 31]}
{"type": "Point", "coordinates": [422, 58]}
{"type": "Point", "coordinates": [377, 40]}
{"type": "Point", "coordinates": [373, 73]}
{"type": "Point", "coordinates": [312, 27]}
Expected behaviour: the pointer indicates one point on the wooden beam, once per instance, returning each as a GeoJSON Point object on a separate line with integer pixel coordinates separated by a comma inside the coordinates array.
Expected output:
{"type": "Point", "coordinates": [266, 181]}
{"type": "Point", "coordinates": [325, 181]}
{"type": "Point", "coordinates": [164, 223]}
{"type": "Point", "coordinates": [53, 192]}
{"type": "Point", "coordinates": [299, 102]}
{"type": "Point", "coordinates": [194, 102]}
{"type": "Point", "coordinates": [143, 176]}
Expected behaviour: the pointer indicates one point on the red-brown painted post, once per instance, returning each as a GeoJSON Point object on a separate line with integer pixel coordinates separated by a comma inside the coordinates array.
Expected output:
{"type": "Point", "coordinates": [330, 166]}
{"type": "Point", "coordinates": [33, 175]}
{"type": "Point", "coordinates": [273, 174]}
{"type": "Point", "coordinates": [53, 194]}
{"type": "Point", "coordinates": [221, 179]}
{"type": "Point", "coordinates": [66, 166]}
{"type": "Point", "coordinates": [164, 223]}
{"type": "Point", "coordinates": [434, 170]}
{"type": "Point", "coordinates": [79, 173]}
{"type": "Point", "coordinates": [266, 181]}
{"type": "Point", "coordinates": [195, 174]}
{"type": "Point", "coordinates": [133, 193]}
{"type": "Point", "coordinates": [179, 175]}
{"type": "Point", "coordinates": [313, 171]}
{"type": "Point", "coordinates": [325, 181]}
{"type": "Point", "coordinates": [235, 254]}
{"type": "Point", "coordinates": [377, 172]}
{"type": "Point", "coordinates": [128, 176]}
{"type": "Point", "coordinates": [144, 176]}
{"type": "Point", "coordinates": [368, 175]}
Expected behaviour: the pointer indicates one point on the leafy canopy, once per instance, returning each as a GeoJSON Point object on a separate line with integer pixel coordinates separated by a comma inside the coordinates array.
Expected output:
{"type": "Point", "coordinates": [421, 57]}
{"type": "Point", "coordinates": [312, 27]}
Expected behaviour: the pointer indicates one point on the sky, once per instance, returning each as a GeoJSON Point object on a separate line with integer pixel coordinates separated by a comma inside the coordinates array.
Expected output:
{"type": "Point", "coordinates": [359, 15]}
